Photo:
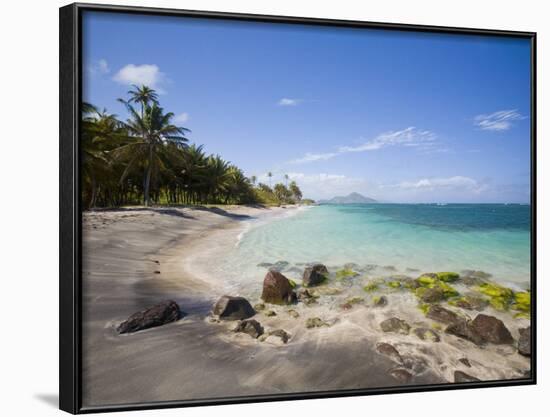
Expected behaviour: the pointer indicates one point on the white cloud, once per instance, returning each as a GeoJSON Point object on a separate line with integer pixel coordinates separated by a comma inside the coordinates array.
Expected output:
{"type": "Point", "coordinates": [409, 137]}
{"type": "Point", "coordinates": [99, 67]}
{"type": "Point", "coordinates": [182, 117]}
{"type": "Point", "coordinates": [497, 121]}
{"type": "Point", "coordinates": [310, 157]}
{"type": "Point", "coordinates": [146, 74]}
{"type": "Point", "coordinates": [451, 183]}
{"type": "Point", "coordinates": [289, 101]}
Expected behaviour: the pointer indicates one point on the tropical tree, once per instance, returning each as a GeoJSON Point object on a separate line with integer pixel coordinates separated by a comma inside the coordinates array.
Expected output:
{"type": "Point", "coordinates": [270, 174]}
{"type": "Point", "coordinates": [146, 148]}
{"type": "Point", "coordinates": [253, 179]}
{"type": "Point", "coordinates": [142, 95]}
{"type": "Point", "coordinates": [295, 191]}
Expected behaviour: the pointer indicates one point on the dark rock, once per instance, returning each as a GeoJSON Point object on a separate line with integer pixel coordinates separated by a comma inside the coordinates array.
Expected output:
{"type": "Point", "coordinates": [464, 377]}
{"type": "Point", "coordinates": [162, 313]}
{"type": "Point", "coordinates": [395, 325]}
{"type": "Point", "coordinates": [250, 327]}
{"type": "Point", "coordinates": [492, 329]}
{"type": "Point", "coordinates": [402, 375]}
{"type": "Point", "coordinates": [472, 302]}
{"type": "Point", "coordinates": [233, 308]}
{"type": "Point", "coordinates": [380, 301]}
{"type": "Point", "coordinates": [465, 330]}
{"type": "Point", "coordinates": [157, 272]}
{"type": "Point", "coordinates": [432, 295]}
{"type": "Point", "coordinates": [279, 266]}
{"type": "Point", "coordinates": [390, 351]}
{"type": "Point", "coordinates": [442, 315]}
{"type": "Point", "coordinates": [277, 289]}
{"type": "Point", "coordinates": [314, 275]}
{"type": "Point", "coordinates": [465, 362]}
{"type": "Point", "coordinates": [524, 343]}
{"type": "Point", "coordinates": [424, 333]}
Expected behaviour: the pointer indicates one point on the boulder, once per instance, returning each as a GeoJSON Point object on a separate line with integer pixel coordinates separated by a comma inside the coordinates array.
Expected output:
{"type": "Point", "coordinates": [424, 333]}
{"type": "Point", "coordinates": [162, 313]}
{"type": "Point", "coordinates": [389, 351]}
{"type": "Point", "coordinates": [431, 295]}
{"type": "Point", "coordinates": [464, 377]}
{"type": "Point", "coordinates": [233, 308]}
{"type": "Point", "coordinates": [492, 329]}
{"type": "Point", "coordinates": [524, 343]}
{"type": "Point", "coordinates": [278, 336]}
{"type": "Point", "coordinates": [250, 327]}
{"type": "Point", "coordinates": [395, 325]}
{"type": "Point", "coordinates": [465, 330]}
{"type": "Point", "coordinates": [443, 315]}
{"type": "Point", "coordinates": [277, 289]}
{"type": "Point", "coordinates": [314, 275]}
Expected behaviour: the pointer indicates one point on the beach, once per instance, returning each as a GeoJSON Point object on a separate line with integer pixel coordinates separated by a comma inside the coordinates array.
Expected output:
{"type": "Point", "coordinates": [135, 258]}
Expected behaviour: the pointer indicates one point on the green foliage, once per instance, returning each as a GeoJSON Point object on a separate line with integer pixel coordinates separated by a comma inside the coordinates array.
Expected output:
{"type": "Point", "coordinates": [147, 160]}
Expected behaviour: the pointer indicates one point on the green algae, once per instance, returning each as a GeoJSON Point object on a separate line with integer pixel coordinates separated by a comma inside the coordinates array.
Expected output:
{"type": "Point", "coordinates": [370, 287]}
{"type": "Point", "coordinates": [394, 284]}
{"type": "Point", "coordinates": [447, 276]}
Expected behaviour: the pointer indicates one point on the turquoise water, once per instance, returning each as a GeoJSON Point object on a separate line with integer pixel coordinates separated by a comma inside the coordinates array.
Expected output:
{"type": "Point", "coordinates": [390, 237]}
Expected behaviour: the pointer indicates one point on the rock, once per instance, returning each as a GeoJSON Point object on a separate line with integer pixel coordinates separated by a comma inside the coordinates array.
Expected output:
{"type": "Point", "coordinates": [465, 362]}
{"type": "Point", "coordinates": [314, 275]}
{"type": "Point", "coordinates": [279, 266]}
{"type": "Point", "coordinates": [233, 308]}
{"type": "Point", "coordinates": [464, 377]}
{"type": "Point", "coordinates": [380, 301]}
{"type": "Point", "coordinates": [277, 289]}
{"type": "Point", "coordinates": [442, 315]}
{"type": "Point", "coordinates": [389, 351]}
{"type": "Point", "coordinates": [427, 334]}
{"type": "Point", "coordinates": [465, 330]}
{"type": "Point", "coordinates": [431, 295]}
{"type": "Point", "coordinates": [390, 268]}
{"type": "Point", "coordinates": [313, 322]}
{"type": "Point", "coordinates": [278, 336]}
{"type": "Point", "coordinates": [250, 327]}
{"type": "Point", "coordinates": [293, 313]}
{"type": "Point", "coordinates": [416, 365]}
{"type": "Point", "coordinates": [305, 296]}
{"type": "Point", "coordinates": [270, 313]}
{"type": "Point", "coordinates": [492, 329]}
{"type": "Point", "coordinates": [472, 302]}
{"type": "Point", "coordinates": [524, 343]}
{"type": "Point", "coordinates": [259, 306]}
{"type": "Point", "coordinates": [162, 313]}
{"type": "Point", "coordinates": [157, 272]}
{"type": "Point", "coordinates": [264, 265]}
{"type": "Point", "coordinates": [402, 375]}
{"type": "Point", "coordinates": [395, 325]}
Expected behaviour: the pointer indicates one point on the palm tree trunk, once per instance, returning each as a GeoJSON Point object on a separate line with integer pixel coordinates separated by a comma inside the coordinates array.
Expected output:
{"type": "Point", "coordinates": [148, 177]}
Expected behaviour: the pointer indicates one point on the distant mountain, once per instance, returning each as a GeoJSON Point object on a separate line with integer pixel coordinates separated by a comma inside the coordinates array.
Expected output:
{"type": "Point", "coordinates": [353, 198]}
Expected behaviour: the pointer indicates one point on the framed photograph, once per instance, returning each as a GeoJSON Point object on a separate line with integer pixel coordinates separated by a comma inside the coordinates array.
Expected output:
{"type": "Point", "coordinates": [259, 208]}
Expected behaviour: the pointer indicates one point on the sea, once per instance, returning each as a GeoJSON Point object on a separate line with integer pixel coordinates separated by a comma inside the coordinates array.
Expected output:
{"type": "Point", "coordinates": [384, 239]}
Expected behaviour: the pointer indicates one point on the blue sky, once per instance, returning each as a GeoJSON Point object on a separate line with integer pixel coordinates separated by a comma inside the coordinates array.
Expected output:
{"type": "Point", "coordinates": [397, 116]}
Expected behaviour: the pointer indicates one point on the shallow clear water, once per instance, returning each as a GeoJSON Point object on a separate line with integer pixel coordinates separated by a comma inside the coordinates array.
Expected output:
{"type": "Point", "coordinates": [492, 238]}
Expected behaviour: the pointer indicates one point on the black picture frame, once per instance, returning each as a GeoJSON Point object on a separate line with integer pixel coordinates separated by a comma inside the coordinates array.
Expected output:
{"type": "Point", "coordinates": [70, 364]}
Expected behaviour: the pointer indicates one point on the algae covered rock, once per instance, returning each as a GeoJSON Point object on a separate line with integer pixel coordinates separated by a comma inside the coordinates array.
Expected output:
{"type": "Point", "coordinates": [448, 276]}
{"type": "Point", "coordinates": [430, 295]}
{"type": "Point", "coordinates": [278, 337]}
{"type": "Point", "coordinates": [465, 330]}
{"type": "Point", "coordinates": [500, 297]}
{"type": "Point", "coordinates": [277, 289]}
{"type": "Point", "coordinates": [314, 275]}
{"type": "Point", "coordinates": [313, 322]}
{"type": "Point", "coordinates": [424, 333]}
{"type": "Point", "coordinates": [380, 301]}
{"type": "Point", "coordinates": [233, 308]}
{"type": "Point", "coordinates": [395, 325]}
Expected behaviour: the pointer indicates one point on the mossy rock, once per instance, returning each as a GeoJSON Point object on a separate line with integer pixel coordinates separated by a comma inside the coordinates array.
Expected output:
{"type": "Point", "coordinates": [370, 287]}
{"type": "Point", "coordinates": [424, 307]}
{"type": "Point", "coordinates": [427, 280]}
{"type": "Point", "coordinates": [443, 287]}
{"type": "Point", "coordinates": [394, 284]}
{"type": "Point", "coordinates": [292, 283]}
{"type": "Point", "coordinates": [448, 276]}
{"type": "Point", "coordinates": [355, 300]}
{"type": "Point", "coordinates": [522, 302]}
{"type": "Point", "coordinates": [500, 297]}
{"type": "Point", "coordinates": [346, 273]}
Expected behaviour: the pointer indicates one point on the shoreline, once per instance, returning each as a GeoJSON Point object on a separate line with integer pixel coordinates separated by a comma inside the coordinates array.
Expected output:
{"type": "Point", "coordinates": [197, 357]}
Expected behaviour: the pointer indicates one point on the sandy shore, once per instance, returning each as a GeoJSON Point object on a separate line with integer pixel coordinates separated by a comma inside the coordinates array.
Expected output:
{"type": "Point", "coordinates": [136, 258]}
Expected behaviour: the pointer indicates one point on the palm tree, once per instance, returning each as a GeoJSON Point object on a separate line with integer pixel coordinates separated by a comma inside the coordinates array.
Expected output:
{"type": "Point", "coordinates": [295, 190]}
{"type": "Point", "coordinates": [148, 136]}
{"type": "Point", "coordinates": [270, 174]}
{"type": "Point", "coordinates": [143, 95]}
{"type": "Point", "coordinates": [253, 179]}
{"type": "Point", "coordinates": [286, 180]}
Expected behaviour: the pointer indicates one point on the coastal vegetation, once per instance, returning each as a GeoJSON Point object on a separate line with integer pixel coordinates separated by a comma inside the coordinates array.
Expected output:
{"type": "Point", "coordinates": [147, 159]}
